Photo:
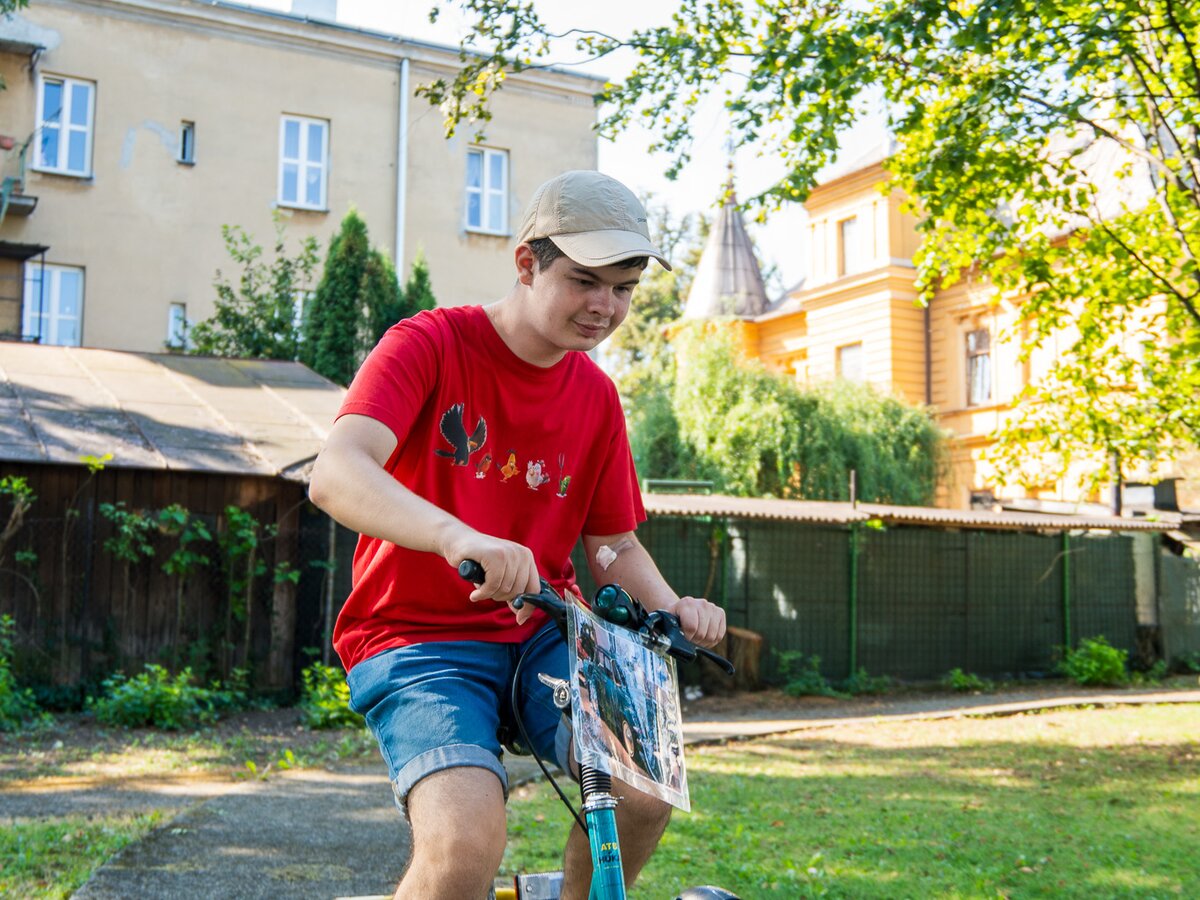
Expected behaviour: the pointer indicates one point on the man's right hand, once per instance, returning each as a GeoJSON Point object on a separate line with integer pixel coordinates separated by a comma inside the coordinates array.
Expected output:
{"type": "Point", "coordinates": [509, 566]}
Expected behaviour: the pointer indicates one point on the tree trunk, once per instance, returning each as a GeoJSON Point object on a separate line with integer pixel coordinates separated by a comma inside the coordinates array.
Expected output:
{"type": "Point", "coordinates": [283, 605]}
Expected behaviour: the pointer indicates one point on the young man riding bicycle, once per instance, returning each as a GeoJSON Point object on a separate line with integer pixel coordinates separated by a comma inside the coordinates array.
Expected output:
{"type": "Point", "coordinates": [487, 433]}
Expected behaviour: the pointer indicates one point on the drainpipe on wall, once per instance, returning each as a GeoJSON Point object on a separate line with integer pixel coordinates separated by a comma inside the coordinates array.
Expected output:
{"type": "Point", "coordinates": [401, 170]}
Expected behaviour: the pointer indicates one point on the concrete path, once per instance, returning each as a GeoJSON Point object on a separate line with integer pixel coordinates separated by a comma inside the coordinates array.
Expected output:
{"type": "Point", "coordinates": [322, 835]}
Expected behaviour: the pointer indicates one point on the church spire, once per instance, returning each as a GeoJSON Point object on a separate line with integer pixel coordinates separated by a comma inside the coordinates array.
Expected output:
{"type": "Point", "coordinates": [728, 279]}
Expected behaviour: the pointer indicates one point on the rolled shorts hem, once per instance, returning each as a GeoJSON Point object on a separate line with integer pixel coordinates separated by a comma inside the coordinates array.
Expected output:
{"type": "Point", "coordinates": [452, 756]}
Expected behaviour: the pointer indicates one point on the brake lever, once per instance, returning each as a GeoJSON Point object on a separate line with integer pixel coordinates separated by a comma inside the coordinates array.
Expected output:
{"type": "Point", "coordinates": [666, 624]}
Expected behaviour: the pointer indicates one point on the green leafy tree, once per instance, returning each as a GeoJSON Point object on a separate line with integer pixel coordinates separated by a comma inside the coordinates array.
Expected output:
{"type": "Point", "coordinates": [1050, 147]}
{"type": "Point", "coordinates": [334, 322]}
{"type": "Point", "coordinates": [130, 542]}
{"type": "Point", "coordinates": [256, 318]}
{"type": "Point", "coordinates": [383, 295]}
{"type": "Point", "coordinates": [240, 542]}
{"type": "Point", "coordinates": [188, 531]}
{"type": "Point", "coordinates": [639, 353]}
{"type": "Point", "coordinates": [755, 433]}
{"type": "Point", "coordinates": [418, 290]}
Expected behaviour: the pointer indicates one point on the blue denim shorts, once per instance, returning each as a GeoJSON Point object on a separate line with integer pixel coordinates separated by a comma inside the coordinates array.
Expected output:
{"type": "Point", "coordinates": [439, 705]}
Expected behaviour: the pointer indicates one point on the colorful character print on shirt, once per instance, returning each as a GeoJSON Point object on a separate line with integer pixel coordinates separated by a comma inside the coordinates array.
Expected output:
{"type": "Point", "coordinates": [455, 433]}
{"type": "Point", "coordinates": [535, 474]}
{"type": "Point", "coordinates": [510, 468]}
{"type": "Point", "coordinates": [482, 467]}
{"type": "Point", "coordinates": [564, 481]}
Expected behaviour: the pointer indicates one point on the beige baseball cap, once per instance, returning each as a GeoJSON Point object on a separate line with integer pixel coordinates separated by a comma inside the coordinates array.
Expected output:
{"type": "Point", "coordinates": [592, 218]}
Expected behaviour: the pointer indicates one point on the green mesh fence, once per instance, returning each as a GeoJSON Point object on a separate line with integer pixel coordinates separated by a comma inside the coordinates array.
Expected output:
{"type": "Point", "coordinates": [1104, 590]}
{"type": "Point", "coordinates": [1179, 606]}
{"type": "Point", "coordinates": [908, 601]}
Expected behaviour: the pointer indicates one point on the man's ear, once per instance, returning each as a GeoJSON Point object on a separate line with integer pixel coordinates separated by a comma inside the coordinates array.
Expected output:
{"type": "Point", "coordinates": [526, 262]}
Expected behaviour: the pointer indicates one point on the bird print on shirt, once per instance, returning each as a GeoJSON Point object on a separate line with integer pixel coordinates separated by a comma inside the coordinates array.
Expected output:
{"type": "Point", "coordinates": [455, 433]}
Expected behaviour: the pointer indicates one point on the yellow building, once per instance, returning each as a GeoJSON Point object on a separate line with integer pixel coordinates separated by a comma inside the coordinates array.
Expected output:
{"type": "Point", "coordinates": [132, 130]}
{"type": "Point", "coordinates": [856, 317]}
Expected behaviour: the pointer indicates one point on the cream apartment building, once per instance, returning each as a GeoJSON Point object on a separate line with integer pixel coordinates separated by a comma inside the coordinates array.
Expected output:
{"type": "Point", "coordinates": [132, 130]}
{"type": "Point", "coordinates": [856, 317]}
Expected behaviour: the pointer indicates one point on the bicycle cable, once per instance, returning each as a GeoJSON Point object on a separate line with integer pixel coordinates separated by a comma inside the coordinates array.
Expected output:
{"type": "Point", "coordinates": [516, 710]}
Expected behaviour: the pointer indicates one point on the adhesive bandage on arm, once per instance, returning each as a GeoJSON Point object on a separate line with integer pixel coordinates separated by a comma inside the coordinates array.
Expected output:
{"type": "Point", "coordinates": [606, 555]}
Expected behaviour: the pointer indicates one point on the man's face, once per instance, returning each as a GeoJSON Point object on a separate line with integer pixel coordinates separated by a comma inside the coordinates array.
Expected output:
{"type": "Point", "coordinates": [576, 307]}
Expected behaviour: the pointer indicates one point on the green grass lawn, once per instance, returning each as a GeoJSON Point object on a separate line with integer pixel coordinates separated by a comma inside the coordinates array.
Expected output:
{"type": "Point", "coordinates": [53, 858]}
{"type": "Point", "coordinates": [1092, 803]}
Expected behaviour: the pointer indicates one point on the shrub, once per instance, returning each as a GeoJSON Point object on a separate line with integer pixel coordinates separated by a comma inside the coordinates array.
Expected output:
{"type": "Point", "coordinates": [1187, 662]}
{"type": "Point", "coordinates": [802, 676]}
{"type": "Point", "coordinates": [1153, 675]}
{"type": "Point", "coordinates": [1095, 662]}
{"type": "Point", "coordinates": [158, 699]}
{"type": "Point", "coordinates": [958, 680]}
{"type": "Point", "coordinates": [325, 699]}
{"type": "Point", "coordinates": [17, 704]}
{"type": "Point", "coordinates": [862, 683]}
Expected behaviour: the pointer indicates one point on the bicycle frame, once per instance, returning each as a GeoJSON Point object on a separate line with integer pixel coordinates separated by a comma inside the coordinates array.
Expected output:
{"type": "Point", "coordinates": [599, 811]}
{"type": "Point", "coordinates": [599, 802]}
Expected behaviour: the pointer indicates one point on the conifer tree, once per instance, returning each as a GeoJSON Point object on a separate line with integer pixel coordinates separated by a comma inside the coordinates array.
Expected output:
{"type": "Point", "coordinates": [384, 298]}
{"type": "Point", "coordinates": [418, 290]}
{"type": "Point", "coordinates": [334, 320]}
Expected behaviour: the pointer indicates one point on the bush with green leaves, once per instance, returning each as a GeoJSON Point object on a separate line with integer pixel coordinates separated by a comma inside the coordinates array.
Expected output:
{"type": "Point", "coordinates": [159, 699]}
{"type": "Point", "coordinates": [958, 680]}
{"type": "Point", "coordinates": [802, 676]}
{"type": "Point", "coordinates": [1187, 662]}
{"type": "Point", "coordinates": [325, 699]}
{"type": "Point", "coordinates": [1095, 662]}
{"type": "Point", "coordinates": [17, 704]}
{"type": "Point", "coordinates": [1151, 676]}
{"type": "Point", "coordinates": [753, 432]}
{"type": "Point", "coordinates": [862, 682]}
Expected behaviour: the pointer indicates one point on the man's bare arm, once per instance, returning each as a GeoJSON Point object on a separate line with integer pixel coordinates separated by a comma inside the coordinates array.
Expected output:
{"type": "Point", "coordinates": [629, 565]}
{"type": "Point", "coordinates": [350, 483]}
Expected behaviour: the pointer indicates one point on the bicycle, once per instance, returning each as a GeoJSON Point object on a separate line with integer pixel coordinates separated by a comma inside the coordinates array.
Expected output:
{"type": "Point", "coordinates": [612, 604]}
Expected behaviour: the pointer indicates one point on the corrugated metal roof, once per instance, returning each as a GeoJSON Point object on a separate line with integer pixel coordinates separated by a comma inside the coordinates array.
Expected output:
{"type": "Point", "coordinates": [162, 411]}
{"type": "Point", "coordinates": [845, 513]}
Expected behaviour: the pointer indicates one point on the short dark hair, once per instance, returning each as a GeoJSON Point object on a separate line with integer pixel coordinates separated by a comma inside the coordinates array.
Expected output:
{"type": "Point", "coordinates": [546, 252]}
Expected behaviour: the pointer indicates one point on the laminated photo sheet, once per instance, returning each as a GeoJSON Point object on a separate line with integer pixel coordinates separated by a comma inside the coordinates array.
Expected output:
{"type": "Point", "coordinates": [625, 707]}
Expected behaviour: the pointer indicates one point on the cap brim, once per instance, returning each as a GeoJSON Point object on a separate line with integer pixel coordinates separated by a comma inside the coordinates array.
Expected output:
{"type": "Point", "coordinates": [606, 248]}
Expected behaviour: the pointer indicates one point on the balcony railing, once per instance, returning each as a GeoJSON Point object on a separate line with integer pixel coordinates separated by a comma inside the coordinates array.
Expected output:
{"type": "Point", "coordinates": [13, 199]}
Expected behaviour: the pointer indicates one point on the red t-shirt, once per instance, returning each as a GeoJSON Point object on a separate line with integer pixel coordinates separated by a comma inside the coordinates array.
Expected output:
{"type": "Point", "coordinates": [529, 454]}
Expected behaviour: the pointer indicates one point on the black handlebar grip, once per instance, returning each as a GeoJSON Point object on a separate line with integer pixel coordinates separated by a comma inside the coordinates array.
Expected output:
{"type": "Point", "coordinates": [470, 570]}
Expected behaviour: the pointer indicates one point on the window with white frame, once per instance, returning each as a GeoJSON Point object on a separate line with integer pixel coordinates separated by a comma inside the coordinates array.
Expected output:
{"type": "Point", "coordinates": [303, 162]}
{"type": "Point", "coordinates": [65, 114]}
{"type": "Point", "coordinates": [979, 366]}
{"type": "Point", "coordinates": [487, 190]}
{"type": "Point", "coordinates": [849, 253]}
{"type": "Point", "coordinates": [177, 326]}
{"type": "Point", "coordinates": [850, 362]}
{"type": "Point", "coordinates": [53, 307]}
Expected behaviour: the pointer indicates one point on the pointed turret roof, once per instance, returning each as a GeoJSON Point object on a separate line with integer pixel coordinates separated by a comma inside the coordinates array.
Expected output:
{"type": "Point", "coordinates": [728, 280]}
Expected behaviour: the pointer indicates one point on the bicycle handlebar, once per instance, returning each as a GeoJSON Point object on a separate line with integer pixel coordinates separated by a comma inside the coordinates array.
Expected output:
{"type": "Point", "coordinates": [612, 604]}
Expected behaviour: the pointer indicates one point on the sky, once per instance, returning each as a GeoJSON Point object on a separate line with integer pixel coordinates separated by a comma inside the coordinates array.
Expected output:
{"type": "Point", "coordinates": [698, 188]}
